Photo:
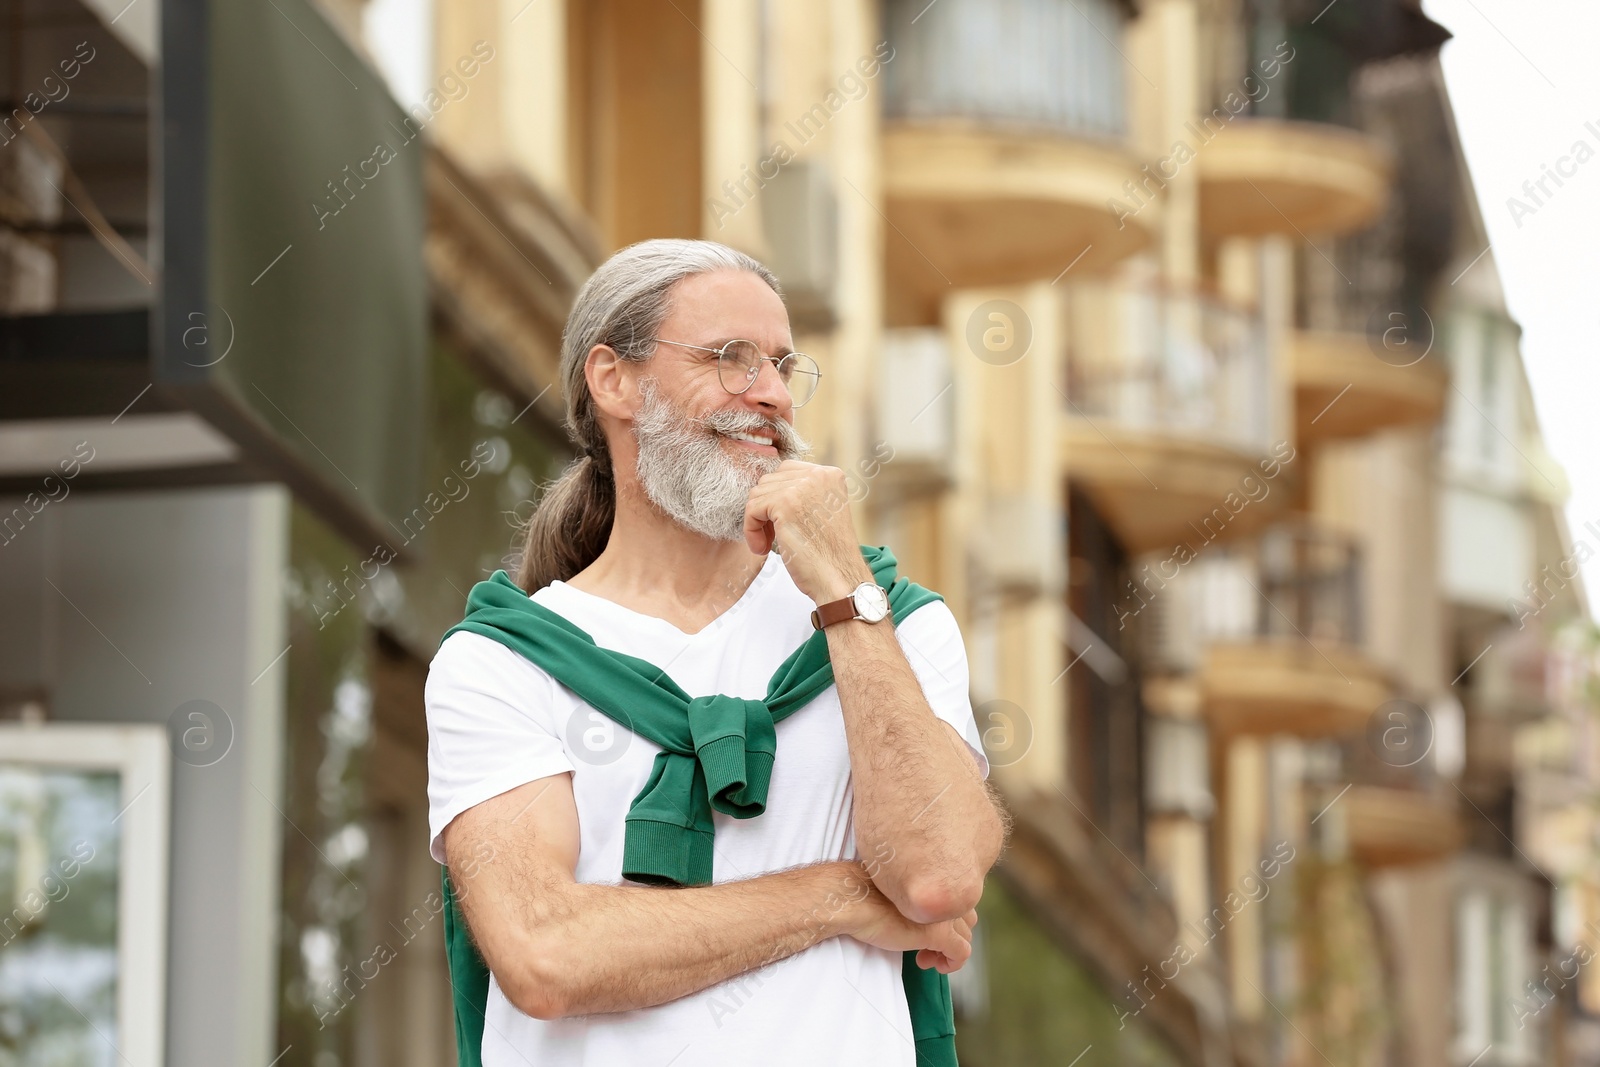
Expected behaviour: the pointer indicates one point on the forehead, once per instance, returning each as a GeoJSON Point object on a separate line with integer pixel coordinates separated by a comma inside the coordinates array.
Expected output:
{"type": "Point", "coordinates": [725, 304]}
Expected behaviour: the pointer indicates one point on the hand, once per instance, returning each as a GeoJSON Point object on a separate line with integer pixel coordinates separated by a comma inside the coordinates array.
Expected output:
{"type": "Point", "coordinates": [803, 511]}
{"type": "Point", "coordinates": [944, 946]}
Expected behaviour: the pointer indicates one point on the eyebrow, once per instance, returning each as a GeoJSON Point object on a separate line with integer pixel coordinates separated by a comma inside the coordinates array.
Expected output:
{"type": "Point", "coordinates": [783, 350]}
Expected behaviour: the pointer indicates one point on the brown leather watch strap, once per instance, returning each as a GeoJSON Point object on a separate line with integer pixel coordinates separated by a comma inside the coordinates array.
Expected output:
{"type": "Point", "coordinates": [834, 611]}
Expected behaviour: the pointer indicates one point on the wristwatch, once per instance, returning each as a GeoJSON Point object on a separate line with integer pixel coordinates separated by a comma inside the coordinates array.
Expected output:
{"type": "Point", "coordinates": [867, 602]}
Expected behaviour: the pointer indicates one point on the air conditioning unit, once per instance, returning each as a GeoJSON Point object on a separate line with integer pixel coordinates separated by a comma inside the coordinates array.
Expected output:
{"type": "Point", "coordinates": [914, 405]}
{"type": "Point", "coordinates": [1512, 678]}
{"type": "Point", "coordinates": [1164, 624]}
{"type": "Point", "coordinates": [1209, 600]}
{"type": "Point", "coordinates": [1023, 548]}
{"type": "Point", "coordinates": [800, 213]}
{"type": "Point", "coordinates": [1177, 768]}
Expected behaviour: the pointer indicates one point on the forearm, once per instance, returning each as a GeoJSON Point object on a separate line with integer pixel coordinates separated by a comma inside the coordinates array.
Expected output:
{"type": "Point", "coordinates": [919, 796]}
{"type": "Point", "coordinates": [604, 948]}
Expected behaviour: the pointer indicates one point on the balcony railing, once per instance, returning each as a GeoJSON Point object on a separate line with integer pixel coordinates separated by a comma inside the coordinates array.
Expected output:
{"type": "Point", "coordinates": [1407, 761]}
{"type": "Point", "coordinates": [1043, 63]}
{"type": "Point", "coordinates": [1386, 800]}
{"type": "Point", "coordinates": [1310, 585]}
{"type": "Point", "coordinates": [1311, 50]}
{"type": "Point", "coordinates": [1295, 582]}
{"type": "Point", "coordinates": [1170, 363]}
{"type": "Point", "coordinates": [1314, 82]}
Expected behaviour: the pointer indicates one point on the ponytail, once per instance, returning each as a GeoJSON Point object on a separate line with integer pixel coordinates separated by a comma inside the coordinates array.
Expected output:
{"type": "Point", "coordinates": [570, 527]}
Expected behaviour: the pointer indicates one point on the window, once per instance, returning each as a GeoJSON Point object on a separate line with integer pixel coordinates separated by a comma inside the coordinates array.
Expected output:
{"type": "Point", "coordinates": [1498, 1010]}
{"type": "Point", "coordinates": [83, 879]}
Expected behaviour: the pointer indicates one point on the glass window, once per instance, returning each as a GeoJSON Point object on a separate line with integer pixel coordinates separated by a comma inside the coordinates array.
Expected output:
{"type": "Point", "coordinates": [58, 921]}
{"type": "Point", "coordinates": [83, 868]}
{"type": "Point", "coordinates": [1497, 1006]}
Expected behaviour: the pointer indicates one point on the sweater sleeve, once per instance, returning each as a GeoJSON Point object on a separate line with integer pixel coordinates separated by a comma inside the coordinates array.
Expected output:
{"type": "Point", "coordinates": [932, 642]}
{"type": "Point", "coordinates": [492, 726]}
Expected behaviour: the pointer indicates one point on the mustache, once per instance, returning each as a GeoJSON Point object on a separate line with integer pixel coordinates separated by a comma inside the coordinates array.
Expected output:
{"type": "Point", "coordinates": [786, 438]}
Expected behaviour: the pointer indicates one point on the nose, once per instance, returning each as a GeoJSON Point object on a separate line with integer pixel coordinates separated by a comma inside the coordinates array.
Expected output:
{"type": "Point", "coordinates": [768, 390]}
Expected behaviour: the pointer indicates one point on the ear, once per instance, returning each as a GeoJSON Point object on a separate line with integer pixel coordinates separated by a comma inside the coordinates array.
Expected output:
{"type": "Point", "coordinates": [613, 385]}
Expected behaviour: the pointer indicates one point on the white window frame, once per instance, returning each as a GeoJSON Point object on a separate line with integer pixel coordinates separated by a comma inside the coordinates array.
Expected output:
{"type": "Point", "coordinates": [139, 755]}
{"type": "Point", "coordinates": [1493, 921]}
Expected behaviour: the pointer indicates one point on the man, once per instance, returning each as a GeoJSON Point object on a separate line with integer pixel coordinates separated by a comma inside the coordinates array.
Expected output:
{"type": "Point", "coordinates": [689, 535]}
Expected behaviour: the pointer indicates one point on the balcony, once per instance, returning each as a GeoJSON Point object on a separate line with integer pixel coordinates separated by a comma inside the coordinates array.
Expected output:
{"type": "Point", "coordinates": [1004, 142]}
{"type": "Point", "coordinates": [1168, 415]}
{"type": "Point", "coordinates": [1343, 388]}
{"type": "Point", "coordinates": [1264, 176]}
{"type": "Point", "coordinates": [1365, 354]}
{"type": "Point", "coordinates": [1269, 633]}
{"type": "Point", "coordinates": [1389, 827]}
{"type": "Point", "coordinates": [1285, 157]}
{"type": "Point", "coordinates": [1393, 813]}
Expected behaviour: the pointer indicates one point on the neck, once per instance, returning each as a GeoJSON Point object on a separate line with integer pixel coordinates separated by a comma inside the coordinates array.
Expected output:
{"type": "Point", "coordinates": [656, 567]}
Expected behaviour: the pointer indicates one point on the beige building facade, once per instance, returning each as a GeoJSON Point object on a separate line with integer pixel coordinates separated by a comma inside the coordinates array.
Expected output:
{"type": "Point", "coordinates": [1157, 337]}
{"type": "Point", "coordinates": [1161, 336]}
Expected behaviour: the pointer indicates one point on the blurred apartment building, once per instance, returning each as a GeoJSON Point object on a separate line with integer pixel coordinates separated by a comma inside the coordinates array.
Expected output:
{"type": "Point", "coordinates": [1160, 336]}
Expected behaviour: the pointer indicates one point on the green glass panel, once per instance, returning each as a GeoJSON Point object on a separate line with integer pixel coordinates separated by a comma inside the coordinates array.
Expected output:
{"type": "Point", "coordinates": [315, 268]}
{"type": "Point", "coordinates": [328, 734]}
{"type": "Point", "coordinates": [484, 462]}
{"type": "Point", "coordinates": [486, 458]}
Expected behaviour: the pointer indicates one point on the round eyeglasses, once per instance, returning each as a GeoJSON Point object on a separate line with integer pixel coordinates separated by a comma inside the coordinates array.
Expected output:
{"type": "Point", "coordinates": [739, 364]}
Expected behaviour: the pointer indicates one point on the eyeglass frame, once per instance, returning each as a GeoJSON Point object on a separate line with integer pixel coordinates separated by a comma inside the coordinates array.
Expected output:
{"type": "Point", "coordinates": [750, 380]}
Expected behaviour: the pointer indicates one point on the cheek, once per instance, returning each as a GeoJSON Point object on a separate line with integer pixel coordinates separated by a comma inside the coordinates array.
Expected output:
{"type": "Point", "coordinates": [687, 393]}
{"type": "Point", "coordinates": [699, 392]}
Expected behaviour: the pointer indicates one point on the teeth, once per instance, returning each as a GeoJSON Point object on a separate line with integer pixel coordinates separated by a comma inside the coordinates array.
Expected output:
{"type": "Point", "coordinates": [752, 438]}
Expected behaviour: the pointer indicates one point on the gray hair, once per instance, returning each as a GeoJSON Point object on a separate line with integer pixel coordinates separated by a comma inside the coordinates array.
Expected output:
{"type": "Point", "coordinates": [622, 307]}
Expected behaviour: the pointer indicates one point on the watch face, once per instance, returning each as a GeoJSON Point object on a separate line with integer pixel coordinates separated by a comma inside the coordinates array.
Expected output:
{"type": "Point", "coordinates": [872, 603]}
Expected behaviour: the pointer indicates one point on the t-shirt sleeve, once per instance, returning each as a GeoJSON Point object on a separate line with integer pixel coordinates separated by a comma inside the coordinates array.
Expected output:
{"type": "Point", "coordinates": [491, 728]}
{"type": "Point", "coordinates": [932, 643]}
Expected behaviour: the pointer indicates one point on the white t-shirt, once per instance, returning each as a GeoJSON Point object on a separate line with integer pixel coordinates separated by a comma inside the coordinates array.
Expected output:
{"type": "Point", "coordinates": [495, 721]}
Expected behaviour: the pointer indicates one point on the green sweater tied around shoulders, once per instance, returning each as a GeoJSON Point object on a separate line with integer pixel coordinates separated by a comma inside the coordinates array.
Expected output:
{"type": "Point", "coordinates": [717, 755]}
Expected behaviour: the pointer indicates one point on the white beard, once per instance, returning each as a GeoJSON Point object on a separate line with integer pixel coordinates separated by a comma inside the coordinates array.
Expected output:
{"type": "Point", "coordinates": [687, 473]}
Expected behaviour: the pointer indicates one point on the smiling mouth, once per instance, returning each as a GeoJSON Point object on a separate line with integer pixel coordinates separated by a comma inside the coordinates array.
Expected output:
{"type": "Point", "coordinates": [752, 439]}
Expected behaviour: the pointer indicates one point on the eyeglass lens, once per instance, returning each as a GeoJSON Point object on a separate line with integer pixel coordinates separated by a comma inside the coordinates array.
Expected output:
{"type": "Point", "coordinates": [740, 363]}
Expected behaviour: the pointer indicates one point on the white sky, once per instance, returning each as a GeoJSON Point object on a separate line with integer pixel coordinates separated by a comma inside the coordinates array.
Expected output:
{"type": "Point", "coordinates": [1524, 78]}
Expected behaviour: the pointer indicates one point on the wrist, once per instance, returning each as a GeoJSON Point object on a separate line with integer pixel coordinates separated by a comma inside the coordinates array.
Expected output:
{"type": "Point", "coordinates": [844, 582]}
{"type": "Point", "coordinates": [844, 887]}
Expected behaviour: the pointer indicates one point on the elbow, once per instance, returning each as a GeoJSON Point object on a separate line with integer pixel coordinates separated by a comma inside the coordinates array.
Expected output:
{"type": "Point", "coordinates": [939, 895]}
{"type": "Point", "coordinates": [996, 833]}
{"type": "Point", "coordinates": [537, 989]}
{"type": "Point", "coordinates": [940, 899]}
{"type": "Point", "coordinates": [540, 1002]}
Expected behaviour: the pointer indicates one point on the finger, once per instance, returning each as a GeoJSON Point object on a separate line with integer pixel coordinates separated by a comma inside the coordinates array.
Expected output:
{"type": "Point", "coordinates": [782, 477]}
{"type": "Point", "coordinates": [950, 944]}
{"type": "Point", "coordinates": [783, 473]}
{"type": "Point", "coordinates": [767, 499]}
{"type": "Point", "coordinates": [786, 487]}
{"type": "Point", "coordinates": [758, 529]}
